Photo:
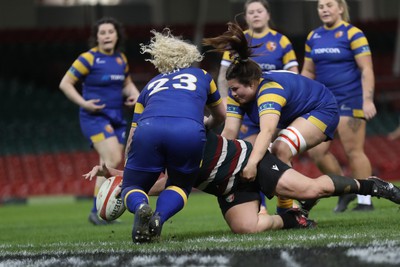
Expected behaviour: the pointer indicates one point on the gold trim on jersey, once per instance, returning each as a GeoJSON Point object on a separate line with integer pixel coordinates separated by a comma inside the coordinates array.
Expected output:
{"type": "Point", "coordinates": [352, 31]}
{"type": "Point", "coordinates": [138, 108]}
{"type": "Point", "coordinates": [289, 56]}
{"type": "Point", "coordinates": [261, 34]}
{"type": "Point", "coordinates": [271, 98]}
{"type": "Point", "coordinates": [231, 101]}
{"type": "Point", "coordinates": [270, 85]}
{"type": "Point", "coordinates": [358, 43]}
{"type": "Point", "coordinates": [80, 68]}
{"type": "Point", "coordinates": [270, 111]}
{"type": "Point", "coordinates": [215, 103]}
{"type": "Point", "coordinates": [89, 57]}
{"type": "Point", "coordinates": [284, 41]}
{"type": "Point", "coordinates": [213, 87]}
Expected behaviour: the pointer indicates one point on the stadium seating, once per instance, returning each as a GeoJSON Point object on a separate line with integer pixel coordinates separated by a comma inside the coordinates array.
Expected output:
{"type": "Point", "coordinates": [42, 150]}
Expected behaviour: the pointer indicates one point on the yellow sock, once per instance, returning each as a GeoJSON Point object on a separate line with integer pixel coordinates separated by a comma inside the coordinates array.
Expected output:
{"type": "Point", "coordinates": [283, 204]}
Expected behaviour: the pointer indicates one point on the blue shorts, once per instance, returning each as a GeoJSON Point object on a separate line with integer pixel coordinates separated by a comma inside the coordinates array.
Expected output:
{"type": "Point", "coordinates": [326, 119]}
{"type": "Point", "coordinates": [248, 128]}
{"type": "Point", "coordinates": [351, 107]}
{"type": "Point", "coordinates": [97, 127]}
{"type": "Point", "coordinates": [161, 143]}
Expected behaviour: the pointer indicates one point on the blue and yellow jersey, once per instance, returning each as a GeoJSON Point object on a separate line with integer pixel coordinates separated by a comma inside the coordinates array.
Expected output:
{"type": "Point", "coordinates": [182, 93]}
{"type": "Point", "coordinates": [287, 94]}
{"type": "Point", "coordinates": [333, 52]}
{"type": "Point", "coordinates": [275, 53]}
{"type": "Point", "coordinates": [102, 75]}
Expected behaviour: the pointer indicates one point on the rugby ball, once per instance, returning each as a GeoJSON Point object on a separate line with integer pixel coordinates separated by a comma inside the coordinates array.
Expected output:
{"type": "Point", "coordinates": [109, 207]}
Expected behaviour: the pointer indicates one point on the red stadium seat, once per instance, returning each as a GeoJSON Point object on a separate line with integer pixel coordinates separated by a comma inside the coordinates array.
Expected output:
{"type": "Point", "coordinates": [31, 167]}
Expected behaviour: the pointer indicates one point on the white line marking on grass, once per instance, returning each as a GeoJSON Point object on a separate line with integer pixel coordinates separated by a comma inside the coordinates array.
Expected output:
{"type": "Point", "coordinates": [289, 260]}
{"type": "Point", "coordinates": [385, 255]}
{"type": "Point", "coordinates": [145, 260]}
{"type": "Point", "coordinates": [198, 260]}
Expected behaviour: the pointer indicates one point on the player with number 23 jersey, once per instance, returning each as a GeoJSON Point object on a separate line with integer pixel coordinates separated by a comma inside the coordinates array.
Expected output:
{"type": "Point", "coordinates": [180, 94]}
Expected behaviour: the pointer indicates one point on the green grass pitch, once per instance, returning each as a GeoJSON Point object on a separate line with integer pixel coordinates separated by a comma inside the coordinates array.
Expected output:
{"type": "Point", "coordinates": [56, 230]}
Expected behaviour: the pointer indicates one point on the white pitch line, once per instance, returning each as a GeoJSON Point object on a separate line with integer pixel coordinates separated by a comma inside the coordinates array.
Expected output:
{"type": "Point", "coordinates": [289, 260]}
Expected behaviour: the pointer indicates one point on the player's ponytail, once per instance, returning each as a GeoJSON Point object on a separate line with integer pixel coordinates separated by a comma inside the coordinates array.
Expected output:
{"type": "Point", "coordinates": [244, 69]}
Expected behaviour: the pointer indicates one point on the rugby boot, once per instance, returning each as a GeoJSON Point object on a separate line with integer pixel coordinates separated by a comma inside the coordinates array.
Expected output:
{"type": "Point", "coordinates": [363, 207]}
{"type": "Point", "coordinates": [302, 221]}
{"type": "Point", "coordinates": [343, 202]}
{"type": "Point", "coordinates": [385, 189]}
{"type": "Point", "coordinates": [307, 205]}
{"type": "Point", "coordinates": [155, 227]}
{"type": "Point", "coordinates": [140, 230]}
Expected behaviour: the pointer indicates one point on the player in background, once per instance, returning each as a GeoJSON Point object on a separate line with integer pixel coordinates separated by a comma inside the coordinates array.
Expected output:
{"type": "Point", "coordinates": [294, 113]}
{"type": "Point", "coordinates": [106, 88]}
{"type": "Point", "coordinates": [272, 51]}
{"type": "Point", "coordinates": [168, 132]}
{"type": "Point", "coordinates": [239, 201]}
{"type": "Point", "coordinates": [337, 54]}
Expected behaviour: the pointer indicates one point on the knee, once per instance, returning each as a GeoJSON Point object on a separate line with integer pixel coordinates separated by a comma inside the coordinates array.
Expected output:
{"type": "Point", "coordinates": [354, 153]}
{"type": "Point", "coordinates": [282, 153]}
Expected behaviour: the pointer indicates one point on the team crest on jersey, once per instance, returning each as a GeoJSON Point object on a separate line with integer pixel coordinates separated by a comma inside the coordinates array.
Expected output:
{"type": "Point", "coordinates": [271, 46]}
{"type": "Point", "coordinates": [119, 60]}
{"type": "Point", "coordinates": [109, 128]}
{"type": "Point", "coordinates": [244, 129]}
{"type": "Point", "coordinates": [230, 198]}
{"type": "Point", "coordinates": [338, 34]}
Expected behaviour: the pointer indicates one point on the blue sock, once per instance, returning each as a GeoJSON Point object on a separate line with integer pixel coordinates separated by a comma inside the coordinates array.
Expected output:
{"type": "Point", "coordinates": [170, 201]}
{"type": "Point", "coordinates": [94, 208]}
{"type": "Point", "coordinates": [133, 197]}
{"type": "Point", "coordinates": [263, 203]}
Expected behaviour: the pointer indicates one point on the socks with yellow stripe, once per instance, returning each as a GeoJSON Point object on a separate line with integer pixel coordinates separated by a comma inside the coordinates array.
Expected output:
{"type": "Point", "coordinates": [170, 201]}
{"type": "Point", "coordinates": [133, 198]}
{"type": "Point", "coordinates": [283, 205]}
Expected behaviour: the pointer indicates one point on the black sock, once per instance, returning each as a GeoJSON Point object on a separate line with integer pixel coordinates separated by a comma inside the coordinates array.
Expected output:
{"type": "Point", "coordinates": [365, 187]}
{"type": "Point", "coordinates": [343, 185]}
{"type": "Point", "coordinates": [289, 220]}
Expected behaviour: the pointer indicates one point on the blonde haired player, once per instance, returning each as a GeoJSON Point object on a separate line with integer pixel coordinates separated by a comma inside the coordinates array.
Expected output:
{"type": "Point", "coordinates": [168, 132]}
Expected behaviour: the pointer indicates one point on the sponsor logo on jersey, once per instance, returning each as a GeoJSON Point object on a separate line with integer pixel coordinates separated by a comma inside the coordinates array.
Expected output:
{"type": "Point", "coordinates": [316, 36]}
{"type": "Point", "coordinates": [344, 107]}
{"type": "Point", "coordinates": [266, 66]}
{"type": "Point", "coordinates": [327, 50]}
{"type": "Point", "coordinates": [275, 167]}
{"type": "Point", "coordinates": [230, 198]}
{"type": "Point", "coordinates": [338, 34]}
{"type": "Point", "coordinates": [100, 61]}
{"type": "Point", "coordinates": [113, 77]}
{"type": "Point", "coordinates": [266, 106]}
{"type": "Point", "coordinates": [119, 60]}
{"type": "Point", "coordinates": [365, 49]}
{"type": "Point", "coordinates": [271, 46]}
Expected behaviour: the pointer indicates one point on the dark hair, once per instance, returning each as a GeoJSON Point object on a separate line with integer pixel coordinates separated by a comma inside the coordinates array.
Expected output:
{"type": "Point", "coordinates": [262, 2]}
{"type": "Point", "coordinates": [118, 27]}
{"type": "Point", "coordinates": [265, 4]}
{"type": "Point", "coordinates": [243, 68]}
